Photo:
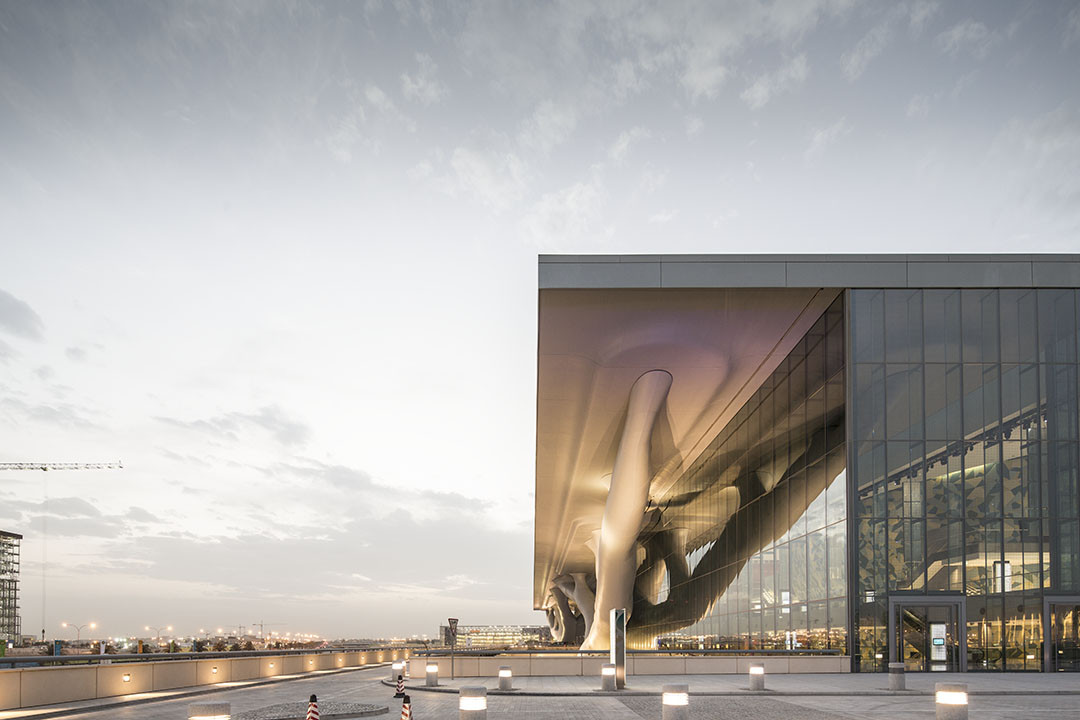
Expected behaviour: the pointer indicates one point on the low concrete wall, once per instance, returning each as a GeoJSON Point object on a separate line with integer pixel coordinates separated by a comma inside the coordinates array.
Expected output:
{"type": "Point", "coordinates": [555, 665]}
{"type": "Point", "coordinates": [27, 687]}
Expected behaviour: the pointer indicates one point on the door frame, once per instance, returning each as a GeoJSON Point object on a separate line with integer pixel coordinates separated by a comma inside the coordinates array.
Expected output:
{"type": "Point", "coordinates": [957, 600]}
{"type": "Point", "coordinates": [1048, 600]}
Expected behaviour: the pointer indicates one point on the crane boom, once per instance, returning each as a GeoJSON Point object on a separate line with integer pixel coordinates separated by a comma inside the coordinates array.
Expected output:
{"type": "Point", "coordinates": [61, 466]}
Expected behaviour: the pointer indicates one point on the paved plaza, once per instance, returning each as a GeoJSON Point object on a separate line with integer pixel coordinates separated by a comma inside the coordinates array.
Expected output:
{"type": "Point", "coordinates": [790, 697]}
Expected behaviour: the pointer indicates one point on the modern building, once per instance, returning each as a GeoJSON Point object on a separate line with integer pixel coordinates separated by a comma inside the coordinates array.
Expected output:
{"type": "Point", "coordinates": [496, 636]}
{"type": "Point", "coordinates": [10, 621]}
{"type": "Point", "coordinates": [876, 454]}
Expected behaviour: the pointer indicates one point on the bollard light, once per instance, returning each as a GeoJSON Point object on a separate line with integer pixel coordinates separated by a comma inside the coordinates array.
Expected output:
{"type": "Point", "coordinates": [506, 678]}
{"type": "Point", "coordinates": [607, 677]}
{"type": "Point", "coordinates": [757, 676]}
{"type": "Point", "coordinates": [396, 668]}
{"type": "Point", "coordinates": [676, 702]}
{"type": "Point", "coordinates": [951, 701]}
{"type": "Point", "coordinates": [432, 676]}
{"type": "Point", "coordinates": [210, 711]}
{"type": "Point", "coordinates": [472, 703]}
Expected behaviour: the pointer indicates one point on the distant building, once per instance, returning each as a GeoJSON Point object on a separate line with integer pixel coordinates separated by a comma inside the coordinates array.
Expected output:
{"type": "Point", "coordinates": [497, 636]}
{"type": "Point", "coordinates": [10, 623]}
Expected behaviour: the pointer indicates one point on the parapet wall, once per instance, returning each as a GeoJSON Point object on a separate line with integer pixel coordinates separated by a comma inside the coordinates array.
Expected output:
{"type": "Point", "coordinates": [562, 664]}
{"type": "Point", "coordinates": [27, 687]}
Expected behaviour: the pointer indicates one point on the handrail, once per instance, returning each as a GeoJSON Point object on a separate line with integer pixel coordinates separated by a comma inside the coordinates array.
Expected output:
{"type": "Point", "coordinates": [154, 657]}
{"type": "Point", "coordinates": [561, 651]}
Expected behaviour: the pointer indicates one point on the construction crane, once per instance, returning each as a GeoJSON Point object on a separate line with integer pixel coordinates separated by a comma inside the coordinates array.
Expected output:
{"type": "Point", "coordinates": [46, 466]}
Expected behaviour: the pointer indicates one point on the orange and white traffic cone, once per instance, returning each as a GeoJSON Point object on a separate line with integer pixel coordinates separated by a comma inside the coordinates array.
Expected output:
{"type": "Point", "coordinates": [406, 708]}
{"type": "Point", "coordinates": [312, 709]}
{"type": "Point", "coordinates": [400, 687]}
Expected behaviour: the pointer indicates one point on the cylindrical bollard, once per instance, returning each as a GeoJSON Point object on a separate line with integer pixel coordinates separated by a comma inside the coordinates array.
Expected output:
{"type": "Point", "coordinates": [209, 711]}
{"type": "Point", "coordinates": [757, 676]}
{"type": "Point", "coordinates": [506, 678]}
{"type": "Point", "coordinates": [676, 702]}
{"type": "Point", "coordinates": [607, 677]}
{"type": "Point", "coordinates": [896, 676]}
{"type": "Point", "coordinates": [396, 668]}
{"type": "Point", "coordinates": [432, 674]}
{"type": "Point", "coordinates": [951, 701]}
{"type": "Point", "coordinates": [472, 703]}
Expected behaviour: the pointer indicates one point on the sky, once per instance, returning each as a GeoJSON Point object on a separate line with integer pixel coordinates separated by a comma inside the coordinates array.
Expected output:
{"type": "Point", "coordinates": [280, 259]}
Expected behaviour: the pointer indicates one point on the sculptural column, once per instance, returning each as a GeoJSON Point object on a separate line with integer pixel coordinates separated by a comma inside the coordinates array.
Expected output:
{"type": "Point", "coordinates": [616, 557]}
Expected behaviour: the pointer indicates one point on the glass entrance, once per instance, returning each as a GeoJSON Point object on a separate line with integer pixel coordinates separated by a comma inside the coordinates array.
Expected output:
{"type": "Point", "coordinates": [1064, 637]}
{"type": "Point", "coordinates": [926, 639]}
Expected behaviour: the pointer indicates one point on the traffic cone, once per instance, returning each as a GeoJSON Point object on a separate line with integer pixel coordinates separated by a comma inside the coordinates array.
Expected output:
{"type": "Point", "coordinates": [406, 708]}
{"type": "Point", "coordinates": [313, 708]}
{"type": "Point", "coordinates": [400, 687]}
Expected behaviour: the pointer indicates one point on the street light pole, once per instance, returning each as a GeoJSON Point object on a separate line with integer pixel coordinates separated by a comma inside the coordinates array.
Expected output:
{"type": "Point", "coordinates": [78, 629]}
{"type": "Point", "coordinates": [157, 630]}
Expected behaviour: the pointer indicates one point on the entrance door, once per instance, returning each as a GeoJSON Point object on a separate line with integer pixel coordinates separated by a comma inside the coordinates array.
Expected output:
{"type": "Point", "coordinates": [1064, 637]}
{"type": "Point", "coordinates": [925, 637]}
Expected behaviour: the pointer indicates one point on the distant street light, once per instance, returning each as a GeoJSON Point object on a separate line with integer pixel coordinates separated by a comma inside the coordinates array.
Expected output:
{"type": "Point", "coordinates": [157, 630]}
{"type": "Point", "coordinates": [78, 629]}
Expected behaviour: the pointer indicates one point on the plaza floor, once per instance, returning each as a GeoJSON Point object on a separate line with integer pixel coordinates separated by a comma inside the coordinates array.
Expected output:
{"type": "Point", "coordinates": [791, 697]}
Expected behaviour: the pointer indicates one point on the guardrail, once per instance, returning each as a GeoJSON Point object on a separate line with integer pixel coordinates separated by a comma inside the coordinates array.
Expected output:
{"type": "Point", "coordinates": [796, 652]}
{"type": "Point", "coordinates": [9, 661]}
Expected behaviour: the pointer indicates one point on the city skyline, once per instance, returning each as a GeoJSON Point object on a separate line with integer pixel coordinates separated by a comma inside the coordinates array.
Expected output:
{"type": "Point", "coordinates": [280, 259]}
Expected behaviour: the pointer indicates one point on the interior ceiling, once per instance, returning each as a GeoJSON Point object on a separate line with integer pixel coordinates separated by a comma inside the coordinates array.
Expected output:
{"type": "Point", "coordinates": [718, 344]}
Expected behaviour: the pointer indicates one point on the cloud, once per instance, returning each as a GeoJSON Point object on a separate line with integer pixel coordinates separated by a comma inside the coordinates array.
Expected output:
{"type": "Point", "coordinates": [872, 44]}
{"type": "Point", "coordinates": [76, 354]}
{"type": "Point", "coordinates": [571, 214]}
{"type": "Point", "coordinates": [788, 76]}
{"type": "Point", "coordinates": [285, 430]}
{"type": "Point", "coordinates": [1041, 156]}
{"type": "Point", "coordinates": [664, 217]}
{"type": "Point", "coordinates": [18, 318]}
{"type": "Point", "coordinates": [423, 86]}
{"type": "Point", "coordinates": [918, 106]}
{"type": "Point", "coordinates": [6, 352]}
{"type": "Point", "coordinates": [548, 127]}
{"type": "Point", "coordinates": [693, 125]}
{"type": "Point", "coordinates": [855, 61]}
{"type": "Point", "coordinates": [1071, 33]}
{"type": "Point", "coordinates": [826, 137]}
{"type": "Point", "coordinates": [621, 147]}
{"type": "Point", "coordinates": [379, 100]}
{"type": "Point", "coordinates": [495, 178]}
{"type": "Point", "coordinates": [60, 414]}
{"type": "Point", "coordinates": [970, 36]}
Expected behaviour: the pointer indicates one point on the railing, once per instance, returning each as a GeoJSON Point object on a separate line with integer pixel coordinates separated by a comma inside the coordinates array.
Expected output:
{"type": "Point", "coordinates": [11, 661]}
{"type": "Point", "coordinates": [445, 652]}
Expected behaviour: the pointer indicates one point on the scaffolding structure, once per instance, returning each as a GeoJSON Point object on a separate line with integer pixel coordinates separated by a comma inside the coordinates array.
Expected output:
{"type": "Point", "coordinates": [10, 622]}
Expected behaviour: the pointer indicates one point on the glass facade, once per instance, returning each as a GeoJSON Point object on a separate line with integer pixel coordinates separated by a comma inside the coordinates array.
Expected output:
{"type": "Point", "coordinates": [964, 454]}
{"type": "Point", "coordinates": [749, 547]}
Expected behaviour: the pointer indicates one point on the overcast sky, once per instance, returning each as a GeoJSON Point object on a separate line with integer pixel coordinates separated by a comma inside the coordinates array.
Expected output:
{"type": "Point", "coordinates": [280, 258]}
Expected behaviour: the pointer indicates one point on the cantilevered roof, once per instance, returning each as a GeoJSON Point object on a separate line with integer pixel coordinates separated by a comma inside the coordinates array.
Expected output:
{"type": "Point", "coordinates": [718, 344]}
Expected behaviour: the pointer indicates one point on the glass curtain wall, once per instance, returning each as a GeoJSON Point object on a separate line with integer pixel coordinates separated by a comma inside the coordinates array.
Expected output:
{"type": "Point", "coordinates": [964, 461]}
{"type": "Point", "coordinates": [760, 557]}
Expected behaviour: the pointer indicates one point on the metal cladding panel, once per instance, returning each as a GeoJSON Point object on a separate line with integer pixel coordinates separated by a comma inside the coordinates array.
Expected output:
{"type": "Point", "coordinates": [969, 274]}
{"type": "Point", "coordinates": [724, 274]}
{"type": "Point", "coordinates": [847, 274]}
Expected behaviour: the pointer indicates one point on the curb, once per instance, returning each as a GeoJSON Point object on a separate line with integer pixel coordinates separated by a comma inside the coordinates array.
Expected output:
{"type": "Point", "coordinates": [739, 693]}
